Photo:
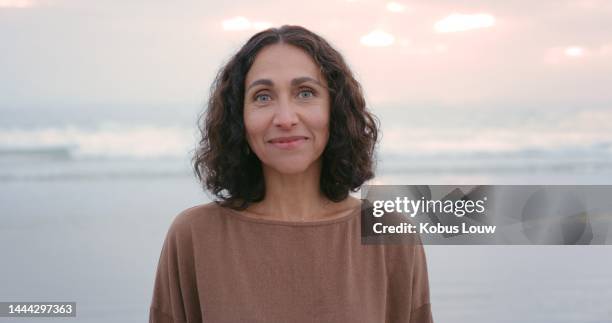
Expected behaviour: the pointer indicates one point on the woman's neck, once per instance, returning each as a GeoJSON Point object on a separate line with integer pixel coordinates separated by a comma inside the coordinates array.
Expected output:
{"type": "Point", "coordinates": [296, 197]}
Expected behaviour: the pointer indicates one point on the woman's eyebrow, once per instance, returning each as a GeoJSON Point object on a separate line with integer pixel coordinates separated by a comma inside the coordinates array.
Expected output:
{"type": "Point", "coordinates": [303, 79]}
{"type": "Point", "coordinates": [294, 82]}
{"type": "Point", "coordinates": [261, 81]}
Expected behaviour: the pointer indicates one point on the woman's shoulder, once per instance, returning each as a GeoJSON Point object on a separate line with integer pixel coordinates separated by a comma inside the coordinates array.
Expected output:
{"type": "Point", "coordinates": [199, 215]}
{"type": "Point", "coordinates": [198, 211]}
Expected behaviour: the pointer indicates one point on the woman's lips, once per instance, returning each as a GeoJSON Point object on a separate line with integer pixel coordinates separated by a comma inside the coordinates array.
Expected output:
{"type": "Point", "coordinates": [288, 143]}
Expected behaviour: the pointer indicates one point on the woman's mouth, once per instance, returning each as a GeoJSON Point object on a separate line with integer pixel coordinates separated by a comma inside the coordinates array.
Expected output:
{"type": "Point", "coordinates": [288, 142]}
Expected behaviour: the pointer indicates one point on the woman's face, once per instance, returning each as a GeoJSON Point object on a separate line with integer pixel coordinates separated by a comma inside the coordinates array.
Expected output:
{"type": "Point", "coordinates": [286, 109]}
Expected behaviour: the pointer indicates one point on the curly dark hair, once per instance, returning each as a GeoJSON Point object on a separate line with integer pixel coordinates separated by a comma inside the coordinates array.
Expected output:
{"type": "Point", "coordinates": [221, 160]}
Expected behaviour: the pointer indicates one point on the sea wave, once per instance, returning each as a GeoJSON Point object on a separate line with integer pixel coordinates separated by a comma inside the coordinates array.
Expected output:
{"type": "Point", "coordinates": [111, 151]}
{"type": "Point", "coordinates": [121, 141]}
{"type": "Point", "coordinates": [107, 141]}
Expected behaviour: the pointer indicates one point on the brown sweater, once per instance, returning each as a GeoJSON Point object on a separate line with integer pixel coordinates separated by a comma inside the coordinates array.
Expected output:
{"type": "Point", "coordinates": [218, 265]}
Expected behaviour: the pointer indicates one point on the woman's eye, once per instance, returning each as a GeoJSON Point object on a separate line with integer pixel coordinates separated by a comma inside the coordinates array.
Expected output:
{"type": "Point", "coordinates": [305, 94]}
{"type": "Point", "coordinates": [262, 97]}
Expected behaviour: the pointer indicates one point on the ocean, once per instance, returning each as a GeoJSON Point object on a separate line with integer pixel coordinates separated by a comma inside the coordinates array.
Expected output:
{"type": "Point", "coordinates": [87, 195]}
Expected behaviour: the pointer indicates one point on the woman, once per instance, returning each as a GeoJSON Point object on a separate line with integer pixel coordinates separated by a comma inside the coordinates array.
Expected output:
{"type": "Point", "coordinates": [286, 137]}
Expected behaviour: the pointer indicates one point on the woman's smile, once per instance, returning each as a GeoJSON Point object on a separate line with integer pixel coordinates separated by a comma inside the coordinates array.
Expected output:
{"type": "Point", "coordinates": [288, 143]}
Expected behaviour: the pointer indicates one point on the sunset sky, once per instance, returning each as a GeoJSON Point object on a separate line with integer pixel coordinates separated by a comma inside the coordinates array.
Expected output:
{"type": "Point", "coordinates": [449, 53]}
{"type": "Point", "coordinates": [442, 75]}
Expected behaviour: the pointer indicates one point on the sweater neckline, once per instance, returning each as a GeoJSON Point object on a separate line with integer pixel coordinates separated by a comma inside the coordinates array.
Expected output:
{"type": "Point", "coordinates": [354, 212]}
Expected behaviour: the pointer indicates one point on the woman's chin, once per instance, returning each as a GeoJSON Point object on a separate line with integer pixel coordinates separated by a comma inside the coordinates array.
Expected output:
{"type": "Point", "coordinates": [290, 168]}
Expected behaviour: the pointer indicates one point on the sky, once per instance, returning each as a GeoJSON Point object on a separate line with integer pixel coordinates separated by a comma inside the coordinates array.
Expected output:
{"type": "Point", "coordinates": [499, 54]}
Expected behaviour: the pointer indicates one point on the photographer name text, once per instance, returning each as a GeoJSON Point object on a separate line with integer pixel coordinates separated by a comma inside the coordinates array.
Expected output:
{"type": "Point", "coordinates": [427, 228]}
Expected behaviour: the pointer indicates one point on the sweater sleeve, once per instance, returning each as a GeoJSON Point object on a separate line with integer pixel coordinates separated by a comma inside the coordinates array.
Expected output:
{"type": "Point", "coordinates": [175, 294]}
{"type": "Point", "coordinates": [421, 307]}
{"type": "Point", "coordinates": [408, 284]}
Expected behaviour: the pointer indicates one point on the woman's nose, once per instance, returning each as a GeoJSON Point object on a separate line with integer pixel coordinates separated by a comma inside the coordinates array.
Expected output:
{"type": "Point", "coordinates": [285, 116]}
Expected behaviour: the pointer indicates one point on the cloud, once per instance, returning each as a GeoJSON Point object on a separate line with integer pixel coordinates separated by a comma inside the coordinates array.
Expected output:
{"type": "Point", "coordinates": [558, 55]}
{"type": "Point", "coordinates": [457, 22]}
{"type": "Point", "coordinates": [574, 51]}
{"type": "Point", "coordinates": [240, 23]}
{"type": "Point", "coordinates": [16, 3]}
{"type": "Point", "coordinates": [377, 38]}
{"type": "Point", "coordinates": [395, 7]}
